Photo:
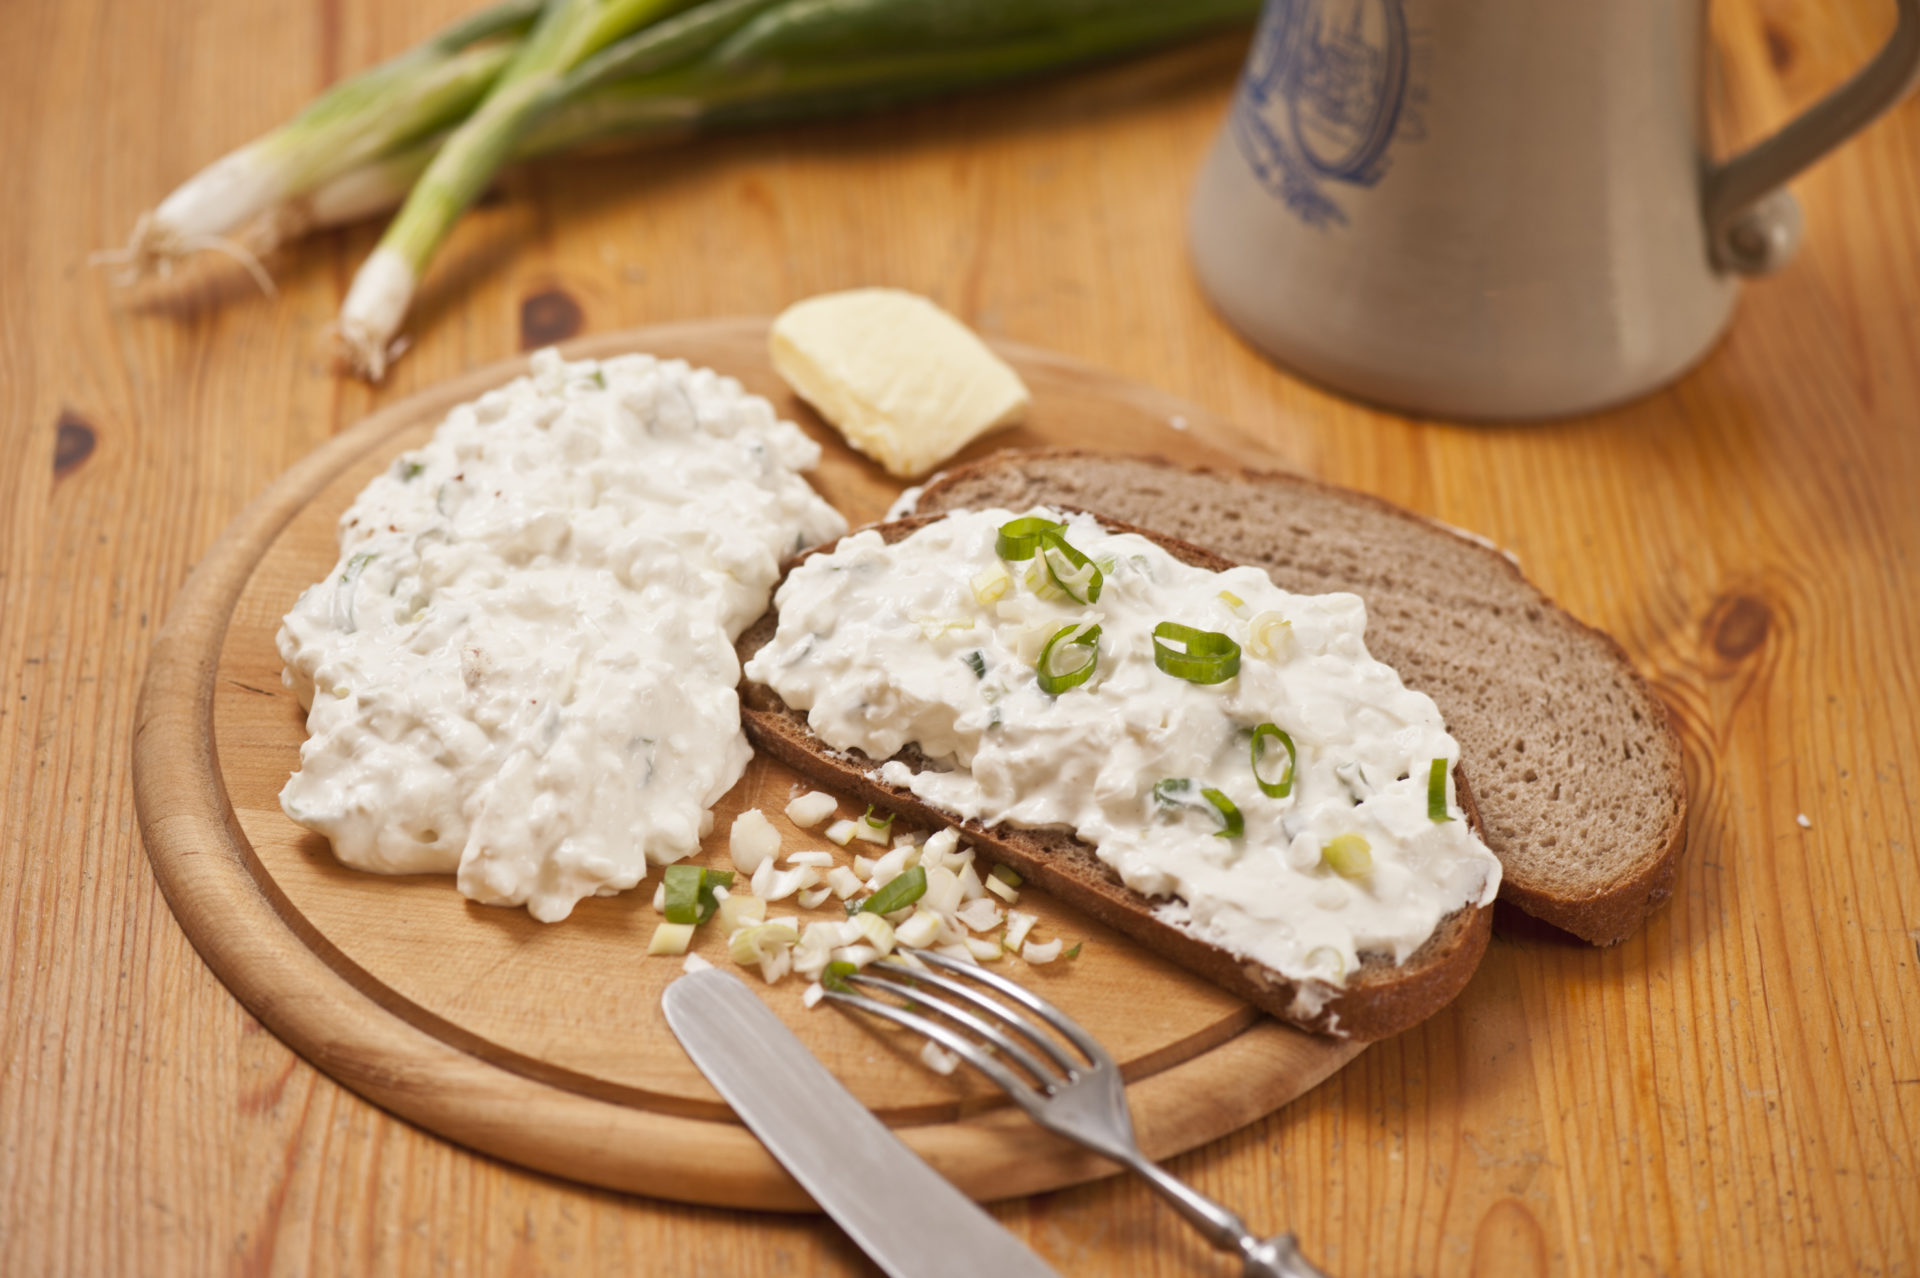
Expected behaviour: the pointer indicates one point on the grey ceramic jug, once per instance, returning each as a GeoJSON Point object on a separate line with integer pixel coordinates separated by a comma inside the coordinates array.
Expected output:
{"type": "Point", "coordinates": [1497, 209]}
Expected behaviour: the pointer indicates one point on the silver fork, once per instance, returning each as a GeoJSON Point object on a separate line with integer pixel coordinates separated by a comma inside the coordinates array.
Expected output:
{"type": "Point", "coordinates": [1082, 1100]}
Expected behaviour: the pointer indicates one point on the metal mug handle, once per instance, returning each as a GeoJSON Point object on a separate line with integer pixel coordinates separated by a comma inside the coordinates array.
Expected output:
{"type": "Point", "coordinates": [1753, 224]}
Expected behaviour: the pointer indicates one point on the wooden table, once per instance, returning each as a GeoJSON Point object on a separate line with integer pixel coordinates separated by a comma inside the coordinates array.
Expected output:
{"type": "Point", "coordinates": [1734, 1090]}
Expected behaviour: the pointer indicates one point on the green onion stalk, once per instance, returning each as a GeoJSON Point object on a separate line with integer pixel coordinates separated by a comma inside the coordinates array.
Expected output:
{"type": "Point", "coordinates": [249, 200]}
{"type": "Point", "coordinates": [567, 34]}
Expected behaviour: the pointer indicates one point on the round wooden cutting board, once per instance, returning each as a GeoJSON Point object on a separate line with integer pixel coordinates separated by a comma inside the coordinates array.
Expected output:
{"type": "Point", "coordinates": [544, 1044]}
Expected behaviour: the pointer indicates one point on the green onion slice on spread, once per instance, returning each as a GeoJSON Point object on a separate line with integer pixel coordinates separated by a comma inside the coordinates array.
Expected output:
{"type": "Point", "coordinates": [1437, 791]}
{"type": "Point", "coordinates": [1176, 792]}
{"type": "Point", "coordinates": [1284, 786]}
{"type": "Point", "coordinates": [878, 825]}
{"type": "Point", "coordinates": [1019, 538]}
{"type": "Point", "coordinates": [1070, 570]}
{"type": "Point", "coordinates": [1082, 645]}
{"type": "Point", "coordinates": [900, 892]}
{"type": "Point", "coordinates": [689, 892]}
{"type": "Point", "coordinates": [1232, 825]}
{"type": "Point", "coordinates": [976, 662]}
{"type": "Point", "coordinates": [1348, 855]}
{"type": "Point", "coordinates": [1204, 656]}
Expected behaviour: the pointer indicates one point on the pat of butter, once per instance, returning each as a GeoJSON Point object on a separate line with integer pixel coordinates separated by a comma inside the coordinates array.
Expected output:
{"type": "Point", "coordinates": [906, 383]}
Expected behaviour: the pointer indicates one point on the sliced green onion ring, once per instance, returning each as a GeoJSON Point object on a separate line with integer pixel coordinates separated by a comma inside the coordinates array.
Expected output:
{"type": "Point", "coordinates": [689, 892]}
{"type": "Point", "coordinates": [1053, 682]}
{"type": "Point", "coordinates": [1232, 824]}
{"type": "Point", "coordinates": [1083, 582]}
{"type": "Point", "coordinates": [835, 977]}
{"type": "Point", "coordinates": [1019, 538]}
{"type": "Point", "coordinates": [1284, 786]}
{"type": "Point", "coordinates": [1209, 656]}
{"type": "Point", "coordinates": [900, 892]}
{"type": "Point", "coordinates": [1007, 875]}
{"type": "Point", "coordinates": [1176, 792]}
{"type": "Point", "coordinates": [1437, 791]}
{"type": "Point", "coordinates": [878, 825]}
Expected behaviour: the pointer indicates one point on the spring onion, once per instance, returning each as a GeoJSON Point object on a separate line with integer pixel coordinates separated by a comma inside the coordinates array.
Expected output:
{"type": "Point", "coordinates": [1204, 656]}
{"type": "Point", "coordinates": [867, 819]}
{"type": "Point", "coordinates": [1284, 786]}
{"type": "Point", "coordinates": [903, 890]}
{"type": "Point", "coordinates": [1020, 539]}
{"type": "Point", "coordinates": [1007, 875]}
{"type": "Point", "coordinates": [1076, 576]}
{"type": "Point", "coordinates": [1074, 953]}
{"type": "Point", "coordinates": [1348, 855]}
{"type": "Point", "coordinates": [1268, 635]}
{"type": "Point", "coordinates": [1437, 791]}
{"type": "Point", "coordinates": [976, 662]}
{"type": "Point", "coordinates": [689, 892]}
{"type": "Point", "coordinates": [430, 129]}
{"type": "Point", "coordinates": [670, 938]}
{"type": "Point", "coordinates": [245, 202]}
{"type": "Point", "coordinates": [1054, 681]}
{"type": "Point", "coordinates": [835, 975]}
{"type": "Point", "coordinates": [991, 584]}
{"type": "Point", "coordinates": [1177, 792]}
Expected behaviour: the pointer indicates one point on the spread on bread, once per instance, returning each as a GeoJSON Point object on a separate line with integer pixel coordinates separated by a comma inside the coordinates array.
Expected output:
{"type": "Point", "coordinates": [1230, 750]}
{"type": "Point", "coordinates": [521, 669]}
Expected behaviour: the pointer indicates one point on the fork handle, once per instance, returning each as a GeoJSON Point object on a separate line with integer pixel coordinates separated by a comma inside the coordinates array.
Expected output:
{"type": "Point", "coordinates": [1276, 1257]}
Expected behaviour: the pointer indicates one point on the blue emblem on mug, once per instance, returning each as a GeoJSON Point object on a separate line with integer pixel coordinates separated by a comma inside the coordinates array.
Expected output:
{"type": "Point", "coordinates": [1322, 95]}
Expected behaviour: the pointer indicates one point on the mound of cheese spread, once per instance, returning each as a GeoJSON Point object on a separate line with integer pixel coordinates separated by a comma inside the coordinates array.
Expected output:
{"type": "Point", "coordinates": [521, 670]}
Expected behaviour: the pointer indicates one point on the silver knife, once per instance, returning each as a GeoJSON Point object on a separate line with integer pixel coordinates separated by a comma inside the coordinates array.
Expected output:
{"type": "Point", "coordinates": [899, 1210]}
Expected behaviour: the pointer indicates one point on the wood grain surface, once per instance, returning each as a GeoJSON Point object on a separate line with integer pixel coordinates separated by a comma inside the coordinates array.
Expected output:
{"type": "Point", "coordinates": [546, 1045]}
{"type": "Point", "coordinates": [1735, 1090]}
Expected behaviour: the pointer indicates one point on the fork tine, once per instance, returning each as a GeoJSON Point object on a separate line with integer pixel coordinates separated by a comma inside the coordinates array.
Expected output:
{"type": "Point", "coordinates": [959, 1044]}
{"type": "Point", "coordinates": [1068, 1065]}
{"type": "Point", "coordinates": [1059, 1020]}
{"type": "Point", "coordinates": [1048, 1080]}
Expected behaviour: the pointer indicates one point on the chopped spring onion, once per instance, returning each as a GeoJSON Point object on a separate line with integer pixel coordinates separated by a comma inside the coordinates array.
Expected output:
{"type": "Point", "coordinates": [1437, 791]}
{"type": "Point", "coordinates": [1348, 855]}
{"type": "Point", "coordinates": [740, 910]}
{"type": "Point", "coordinates": [1204, 656]}
{"type": "Point", "coordinates": [671, 938]}
{"type": "Point", "coordinates": [836, 974]}
{"type": "Point", "coordinates": [1268, 635]}
{"type": "Point", "coordinates": [991, 585]}
{"type": "Point", "coordinates": [1000, 888]}
{"type": "Point", "coordinates": [1019, 539]}
{"type": "Point", "coordinates": [1284, 786]}
{"type": "Point", "coordinates": [749, 945]}
{"type": "Point", "coordinates": [1054, 681]}
{"type": "Point", "coordinates": [1007, 875]}
{"type": "Point", "coordinates": [1232, 600]}
{"type": "Point", "coordinates": [906, 888]}
{"type": "Point", "coordinates": [875, 931]}
{"type": "Point", "coordinates": [867, 819]}
{"type": "Point", "coordinates": [1035, 952]}
{"type": "Point", "coordinates": [1074, 953]}
{"type": "Point", "coordinates": [976, 662]}
{"type": "Point", "coordinates": [1078, 577]}
{"type": "Point", "coordinates": [842, 832]}
{"type": "Point", "coordinates": [689, 889]}
{"type": "Point", "coordinates": [1232, 824]}
{"type": "Point", "coordinates": [1177, 792]}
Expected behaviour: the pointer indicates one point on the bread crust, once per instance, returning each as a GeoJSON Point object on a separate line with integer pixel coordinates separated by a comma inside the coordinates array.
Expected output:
{"type": "Point", "coordinates": [1611, 910]}
{"type": "Point", "coordinates": [1380, 999]}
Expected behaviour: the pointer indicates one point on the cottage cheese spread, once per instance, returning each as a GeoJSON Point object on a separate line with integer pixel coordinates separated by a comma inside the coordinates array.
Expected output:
{"type": "Point", "coordinates": [888, 645]}
{"type": "Point", "coordinates": [521, 671]}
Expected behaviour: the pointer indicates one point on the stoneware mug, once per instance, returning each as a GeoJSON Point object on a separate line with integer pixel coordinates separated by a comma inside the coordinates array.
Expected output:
{"type": "Point", "coordinates": [1499, 209]}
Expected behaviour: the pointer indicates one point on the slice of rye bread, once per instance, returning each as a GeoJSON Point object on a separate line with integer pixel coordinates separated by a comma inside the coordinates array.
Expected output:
{"type": "Point", "coordinates": [1380, 999]}
{"type": "Point", "coordinates": [1575, 762]}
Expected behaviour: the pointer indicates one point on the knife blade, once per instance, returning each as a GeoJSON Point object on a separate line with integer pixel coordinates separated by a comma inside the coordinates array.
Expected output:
{"type": "Point", "coordinates": [902, 1213]}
